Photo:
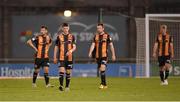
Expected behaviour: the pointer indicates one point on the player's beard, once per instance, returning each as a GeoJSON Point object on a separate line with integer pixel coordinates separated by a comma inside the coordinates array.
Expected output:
{"type": "Point", "coordinates": [163, 33]}
{"type": "Point", "coordinates": [43, 33]}
{"type": "Point", "coordinates": [100, 32]}
{"type": "Point", "coordinates": [65, 33]}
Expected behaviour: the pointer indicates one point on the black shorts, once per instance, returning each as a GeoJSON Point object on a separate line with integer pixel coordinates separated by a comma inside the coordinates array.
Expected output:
{"type": "Point", "coordinates": [41, 62]}
{"type": "Point", "coordinates": [66, 64]}
{"type": "Point", "coordinates": [163, 60]}
{"type": "Point", "coordinates": [101, 61]}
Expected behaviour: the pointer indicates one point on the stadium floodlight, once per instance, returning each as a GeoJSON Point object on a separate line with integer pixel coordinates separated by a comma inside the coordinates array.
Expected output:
{"type": "Point", "coordinates": [67, 13]}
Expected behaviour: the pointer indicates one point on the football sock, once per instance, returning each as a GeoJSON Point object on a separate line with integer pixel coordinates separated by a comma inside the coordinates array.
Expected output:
{"type": "Point", "coordinates": [166, 74]}
{"type": "Point", "coordinates": [161, 73]}
{"type": "Point", "coordinates": [61, 78]}
{"type": "Point", "coordinates": [46, 77]}
{"type": "Point", "coordinates": [103, 78]}
{"type": "Point", "coordinates": [68, 78]}
{"type": "Point", "coordinates": [34, 77]}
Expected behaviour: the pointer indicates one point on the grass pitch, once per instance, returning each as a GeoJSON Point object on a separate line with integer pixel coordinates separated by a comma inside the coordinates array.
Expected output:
{"type": "Point", "coordinates": [86, 89]}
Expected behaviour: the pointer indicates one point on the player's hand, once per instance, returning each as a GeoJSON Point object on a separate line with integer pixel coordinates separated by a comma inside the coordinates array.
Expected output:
{"type": "Point", "coordinates": [90, 55]}
{"type": "Point", "coordinates": [113, 58]}
{"type": "Point", "coordinates": [69, 52]}
{"type": "Point", "coordinates": [172, 56]}
{"type": "Point", "coordinates": [55, 60]}
{"type": "Point", "coordinates": [154, 55]}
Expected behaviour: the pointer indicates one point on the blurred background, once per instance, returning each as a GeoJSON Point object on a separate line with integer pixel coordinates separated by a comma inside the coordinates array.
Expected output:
{"type": "Point", "coordinates": [124, 20]}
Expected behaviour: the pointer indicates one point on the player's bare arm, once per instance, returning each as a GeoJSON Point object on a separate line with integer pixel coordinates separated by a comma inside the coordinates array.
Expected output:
{"type": "Point", "coordinates": [172, 50]}
{"type": "Point", "coordinates": [155, 50]}
{"type": "Point", "coordinates": [91, 49]}
{"type": "Point", "coordinates": [29, 42]}
{"type": "Point", "coordinates": [112, 51]}
{"type": "Point", "coordinates": [72, 50]}
{"type": "Point", "coordinates": [50, 43]}
{"type": "Point", "coordinates": [55, 54]}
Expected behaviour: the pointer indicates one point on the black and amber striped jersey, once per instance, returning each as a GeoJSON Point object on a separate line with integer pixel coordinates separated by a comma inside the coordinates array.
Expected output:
{"type": "Point", "coordinates": [101, 45]}
{"type": "Point", "coordinates": [65, 43]}
{"type": "Point", "coordinates": [164, 42]}
{"type": "Point", "coordinates": [42, 43]}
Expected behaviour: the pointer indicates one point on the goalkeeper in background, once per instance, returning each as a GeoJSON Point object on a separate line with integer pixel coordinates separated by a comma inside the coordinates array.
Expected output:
{"type": "Point", "coordinates": [163, 48]}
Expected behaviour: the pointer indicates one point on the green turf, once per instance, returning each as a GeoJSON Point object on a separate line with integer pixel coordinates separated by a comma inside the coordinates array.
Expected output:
{"type": "Point", "coordinates": [86, 89]}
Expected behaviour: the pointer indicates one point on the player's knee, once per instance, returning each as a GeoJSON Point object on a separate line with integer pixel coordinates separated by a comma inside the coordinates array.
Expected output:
{"type": "Point", "coordinates": [103, 67]}
{"type": "Point", "coordinates": [168, 66]}
{"type": "Point", "coordinates": [62, 69]}
{"type": "Point", "coordinates": [46, 69]}
{"type": "Point", "coordinates": [68, 74]}
{"type": "Point", "coordinates": [36, 70]}
{"type": "Point", "coordinates": [162, 68]}
{"type": "Point", "coordinates": [68, 71]}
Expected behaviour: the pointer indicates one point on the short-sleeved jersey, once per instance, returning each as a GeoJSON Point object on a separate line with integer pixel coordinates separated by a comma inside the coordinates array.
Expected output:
{"type": "Point", "coordinates": [164, 42]}
{"type": "Point", "coordinates": [65, 43]}
{"type": "Point", "coordinates": [42, 43]}
{"type": "Point", "coordinates": [101, 45]}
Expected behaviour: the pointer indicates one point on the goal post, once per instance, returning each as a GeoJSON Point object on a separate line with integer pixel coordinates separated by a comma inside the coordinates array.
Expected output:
{"type": "Point", "coordinates": [147, 30]}
{"type": "Point", "coordinates": [147, 59]}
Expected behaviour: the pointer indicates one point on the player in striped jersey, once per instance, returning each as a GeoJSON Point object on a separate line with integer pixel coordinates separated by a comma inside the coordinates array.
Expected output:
{"type": "Point", "coordinates": [41, 44]}
{"type": "Point", "coordinates": [100, 43]}
{"type": "Point", "coordinates": [63, 53]}
{"type": "Point", "coordinates": [164, 48]}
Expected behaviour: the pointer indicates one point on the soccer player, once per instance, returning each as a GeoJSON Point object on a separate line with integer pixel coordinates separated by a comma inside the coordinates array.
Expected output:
{"type": "Point", "coordinates": [41, 44]}
{"type": "Point", "coordinates": [164, 48]}
{"type": "Point", "coordinates": [100, 43]}
{"type": "Point", "coordinates": [65, 46]}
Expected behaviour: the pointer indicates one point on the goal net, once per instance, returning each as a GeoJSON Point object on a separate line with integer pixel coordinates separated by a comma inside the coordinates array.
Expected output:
{"type": "Point", "coordinates": [147, 30]}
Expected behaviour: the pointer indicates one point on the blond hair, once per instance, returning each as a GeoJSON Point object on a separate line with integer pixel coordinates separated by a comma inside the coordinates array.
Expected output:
{"type": "Point", "coordinates": [163, 27]}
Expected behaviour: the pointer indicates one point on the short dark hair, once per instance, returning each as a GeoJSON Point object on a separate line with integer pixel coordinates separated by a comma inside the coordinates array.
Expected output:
{"type": "Point", "coordinates": [65, 25]}
{"type": "Point", "coordinates": [45, 27]}
{"type": "Point", "coordinates": [100, 24]}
